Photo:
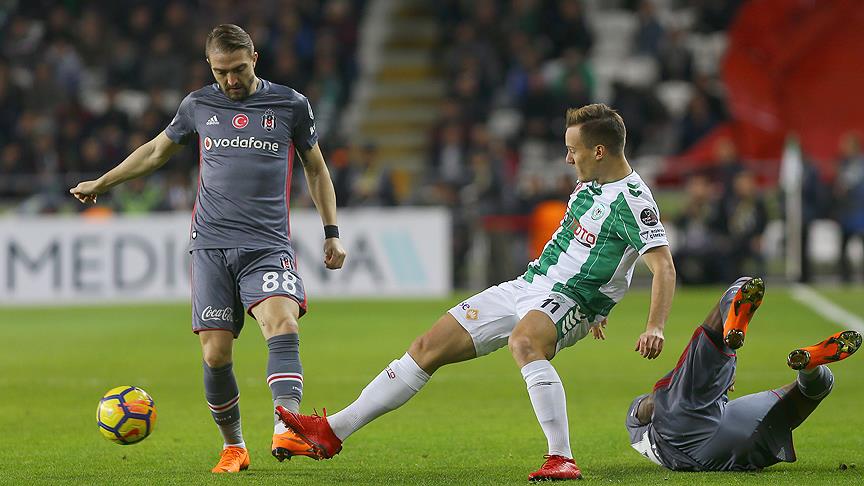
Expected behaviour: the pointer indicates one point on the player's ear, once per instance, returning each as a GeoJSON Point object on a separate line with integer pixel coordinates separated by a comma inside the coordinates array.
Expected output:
{"type": "Point", "coordinates": [599, 152]}
{"type": "Point", "coordinates": [254, 58]}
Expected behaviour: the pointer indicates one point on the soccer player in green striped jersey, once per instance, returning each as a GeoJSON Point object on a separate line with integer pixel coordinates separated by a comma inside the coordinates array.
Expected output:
{"type": "Point", "coordinates": [583, 271]}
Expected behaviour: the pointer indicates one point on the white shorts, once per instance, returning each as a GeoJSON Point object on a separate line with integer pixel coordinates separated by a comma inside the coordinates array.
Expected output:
{"type": "Point", "coordinates": [490, 316]}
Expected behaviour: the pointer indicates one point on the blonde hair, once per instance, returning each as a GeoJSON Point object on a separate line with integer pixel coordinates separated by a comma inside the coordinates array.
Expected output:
{"type": "Point", "coordinates": [600, 125]}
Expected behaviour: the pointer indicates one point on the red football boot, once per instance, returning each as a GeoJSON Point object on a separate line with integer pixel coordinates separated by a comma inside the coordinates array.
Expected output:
{"type": "Point", "coordinates": [556, 468]}
{"type": "Point", "coordinates": [314, 430]}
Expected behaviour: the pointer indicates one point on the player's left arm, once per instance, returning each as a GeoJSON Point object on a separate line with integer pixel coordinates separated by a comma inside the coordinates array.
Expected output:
{"type": "Point", "coordinates": [324, 196]}
{"type": "Point", "coordinates": [659, 261]}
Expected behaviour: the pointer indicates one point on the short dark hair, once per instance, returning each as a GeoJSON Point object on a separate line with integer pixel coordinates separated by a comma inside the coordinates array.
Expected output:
{"type": "Point", "coordinates": [228, 38]}
{"type": "Point", "coordinates": [601, 125]}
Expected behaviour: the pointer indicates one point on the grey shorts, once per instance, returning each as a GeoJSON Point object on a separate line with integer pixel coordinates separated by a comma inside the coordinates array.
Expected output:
{"type": "Point", "coordinates": [228, 282]}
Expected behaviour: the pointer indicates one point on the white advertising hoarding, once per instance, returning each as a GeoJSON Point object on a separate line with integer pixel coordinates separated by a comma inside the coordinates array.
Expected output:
{"type": "Point", "coordinates": [66, 259]}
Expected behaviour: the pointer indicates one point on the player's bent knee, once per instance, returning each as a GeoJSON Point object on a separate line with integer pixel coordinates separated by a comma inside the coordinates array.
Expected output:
{"type": "Point", "coordinates": [275, 326]}
{"type": "Point", "coordinates": [217, 358]}
{"type": "Point", "coordinates": [425, 353]}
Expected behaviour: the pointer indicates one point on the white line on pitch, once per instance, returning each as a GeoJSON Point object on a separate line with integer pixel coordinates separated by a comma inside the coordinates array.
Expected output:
{"type": "Point", "coordinates": [825, 308]}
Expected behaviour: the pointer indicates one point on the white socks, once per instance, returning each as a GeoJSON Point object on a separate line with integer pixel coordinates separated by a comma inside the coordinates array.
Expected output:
{"type": "Point", "coordinates": [550, 405]}
{"type": "Point", "coordinates": [388, 391]}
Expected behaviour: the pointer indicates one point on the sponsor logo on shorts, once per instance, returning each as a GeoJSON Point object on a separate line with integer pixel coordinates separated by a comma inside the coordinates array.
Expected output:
{"type": "Point", "coordinates": [240, 121]}
{"type": "Point", "coordinates": [571, 320]}
{"type": "Point", "coordinates": [211, 314]}
{"type": "Point", "coordinates": [472, 314]}
{"type": "Point", "coordinates": [649, 217]}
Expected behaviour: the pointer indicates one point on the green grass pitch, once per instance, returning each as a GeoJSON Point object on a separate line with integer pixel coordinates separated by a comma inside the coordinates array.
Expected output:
{"type": "Point", "coordinates": [472, 424]}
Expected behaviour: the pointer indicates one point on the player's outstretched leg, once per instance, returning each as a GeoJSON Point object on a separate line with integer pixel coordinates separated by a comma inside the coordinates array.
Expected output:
{"type": "Point", "coordinates": [447, 342]}
{"type": "Point", "coordinates": [740, 309]}
{"type": "Point", "coordinates": [835, 348]}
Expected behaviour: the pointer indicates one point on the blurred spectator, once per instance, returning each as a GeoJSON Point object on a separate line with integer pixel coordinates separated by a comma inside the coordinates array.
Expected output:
{"type": "Point", "coordinates": [698, 254]}
{"type": "Point", "coordinates": [849, 199]}
{"type": "Point", "coordinates": [743, 219]}
{"type": "Point", "coordinates": [698, 120]}
{"type": "Point", "coordinates": [814, 202]}
{"type": "Point", "coordinates": [726, 166]}
{"type": "Point", "coordinates": [568, 29]}
{"type": "Point", "coordinates": [643, 112]}
{"type": "Point", "coordinates": [363, 182]}
{"type": "Point", "coordinates": [676, 60]}
{"type": "Point", "coordinates": [649, 32]}
{"type": "Point", "coordinates": [714, 15]}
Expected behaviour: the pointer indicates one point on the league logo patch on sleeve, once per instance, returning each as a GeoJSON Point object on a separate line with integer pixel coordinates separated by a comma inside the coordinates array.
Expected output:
{"type": "Point", "coordinates": [268, 120]}
{"type": "Point", "coordinates": [649, 217]}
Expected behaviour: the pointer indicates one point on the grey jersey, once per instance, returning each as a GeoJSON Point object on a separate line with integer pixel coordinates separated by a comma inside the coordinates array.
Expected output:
{"type": "Point", "coordinates": [696, 428]}
{"type": "Point", "coordinates": [246, 154]}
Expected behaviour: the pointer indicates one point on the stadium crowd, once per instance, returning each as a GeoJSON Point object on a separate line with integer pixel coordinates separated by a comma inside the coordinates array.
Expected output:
{"type": "Point", "coordinates": [83, 83]}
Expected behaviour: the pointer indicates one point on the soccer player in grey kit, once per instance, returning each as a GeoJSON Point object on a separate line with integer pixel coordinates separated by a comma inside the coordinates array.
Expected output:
{"type": "Point", "coordinates": [688, 423]}
{"type": "Point", "coordinates": [242, 260]}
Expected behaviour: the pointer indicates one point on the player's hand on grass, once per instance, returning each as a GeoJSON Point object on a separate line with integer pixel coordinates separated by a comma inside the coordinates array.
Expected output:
{"type": "Point", "coordinates": [334, 254]}
{"type": "Point", "coordinates": [597, 330]}
{"type": "Point", "coordinates": [87, 191]}
{"type": "Point", "coordinates": [650, 343]}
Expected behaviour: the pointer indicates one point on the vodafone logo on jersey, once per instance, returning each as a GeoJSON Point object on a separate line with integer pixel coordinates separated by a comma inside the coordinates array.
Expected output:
{"type": "Point", "coordinates": [240, 121]}
{"type": "Point", "coordinates": [244, 143]}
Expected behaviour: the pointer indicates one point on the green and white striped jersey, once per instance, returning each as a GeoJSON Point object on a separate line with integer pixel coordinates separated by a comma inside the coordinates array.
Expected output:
{"type": "Point", "coordinates": [590, 257]}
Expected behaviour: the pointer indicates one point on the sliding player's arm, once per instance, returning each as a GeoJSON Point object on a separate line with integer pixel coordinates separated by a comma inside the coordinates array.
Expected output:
{"type": "Point", "coordinates": [144, 160]}
{"type": "Point", "coordinates": [659, 261]}
{"type": "Point", "coordinates": [324, 196]}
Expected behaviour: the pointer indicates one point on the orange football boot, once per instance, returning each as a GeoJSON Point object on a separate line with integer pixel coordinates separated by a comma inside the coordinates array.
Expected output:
{"type": "Point", "coordinates": [288, 444]}
{"type": "Point", "coordinates": [314, 430]}
{"type": "Point", "coordinates": [233, 459]}
{"type": "Point", "coordinates": [741, 310]}
{"type": "Point", "coordinates": [837, 347]}
{"type": "Point", "coordinates": [556, 468]}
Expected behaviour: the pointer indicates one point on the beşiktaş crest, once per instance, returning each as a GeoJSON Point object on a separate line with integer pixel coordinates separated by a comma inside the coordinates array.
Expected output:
{"type": "Point", "coordinates": [268, 120]}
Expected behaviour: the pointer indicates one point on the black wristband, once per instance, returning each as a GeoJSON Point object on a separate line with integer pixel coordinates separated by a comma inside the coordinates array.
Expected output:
{"type": "Point", "coordinates": [331, 231]}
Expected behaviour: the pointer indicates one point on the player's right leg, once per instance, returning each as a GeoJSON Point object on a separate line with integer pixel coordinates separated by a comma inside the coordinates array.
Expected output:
{"type": "Point", "coordinates": [446, 342]}
{"type": "Point", "coordinates": [475, 327]}
{"type": "Point", "coordinates": [223, 398]}
{"type": "Point", "coordinates": [217, 318]}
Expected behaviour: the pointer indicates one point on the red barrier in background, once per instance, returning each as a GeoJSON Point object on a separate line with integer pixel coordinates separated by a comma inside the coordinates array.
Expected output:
{"type": "Point", "coordinates": [791, 67]}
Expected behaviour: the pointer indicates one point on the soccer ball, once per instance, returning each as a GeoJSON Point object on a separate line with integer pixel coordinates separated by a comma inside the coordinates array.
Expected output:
{"type": "Point", "coordinates": [126, 415]}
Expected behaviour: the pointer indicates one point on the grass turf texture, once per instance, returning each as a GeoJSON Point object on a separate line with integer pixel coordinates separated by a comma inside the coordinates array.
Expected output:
{"type": "Point", "coordinates": [472, 424]}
